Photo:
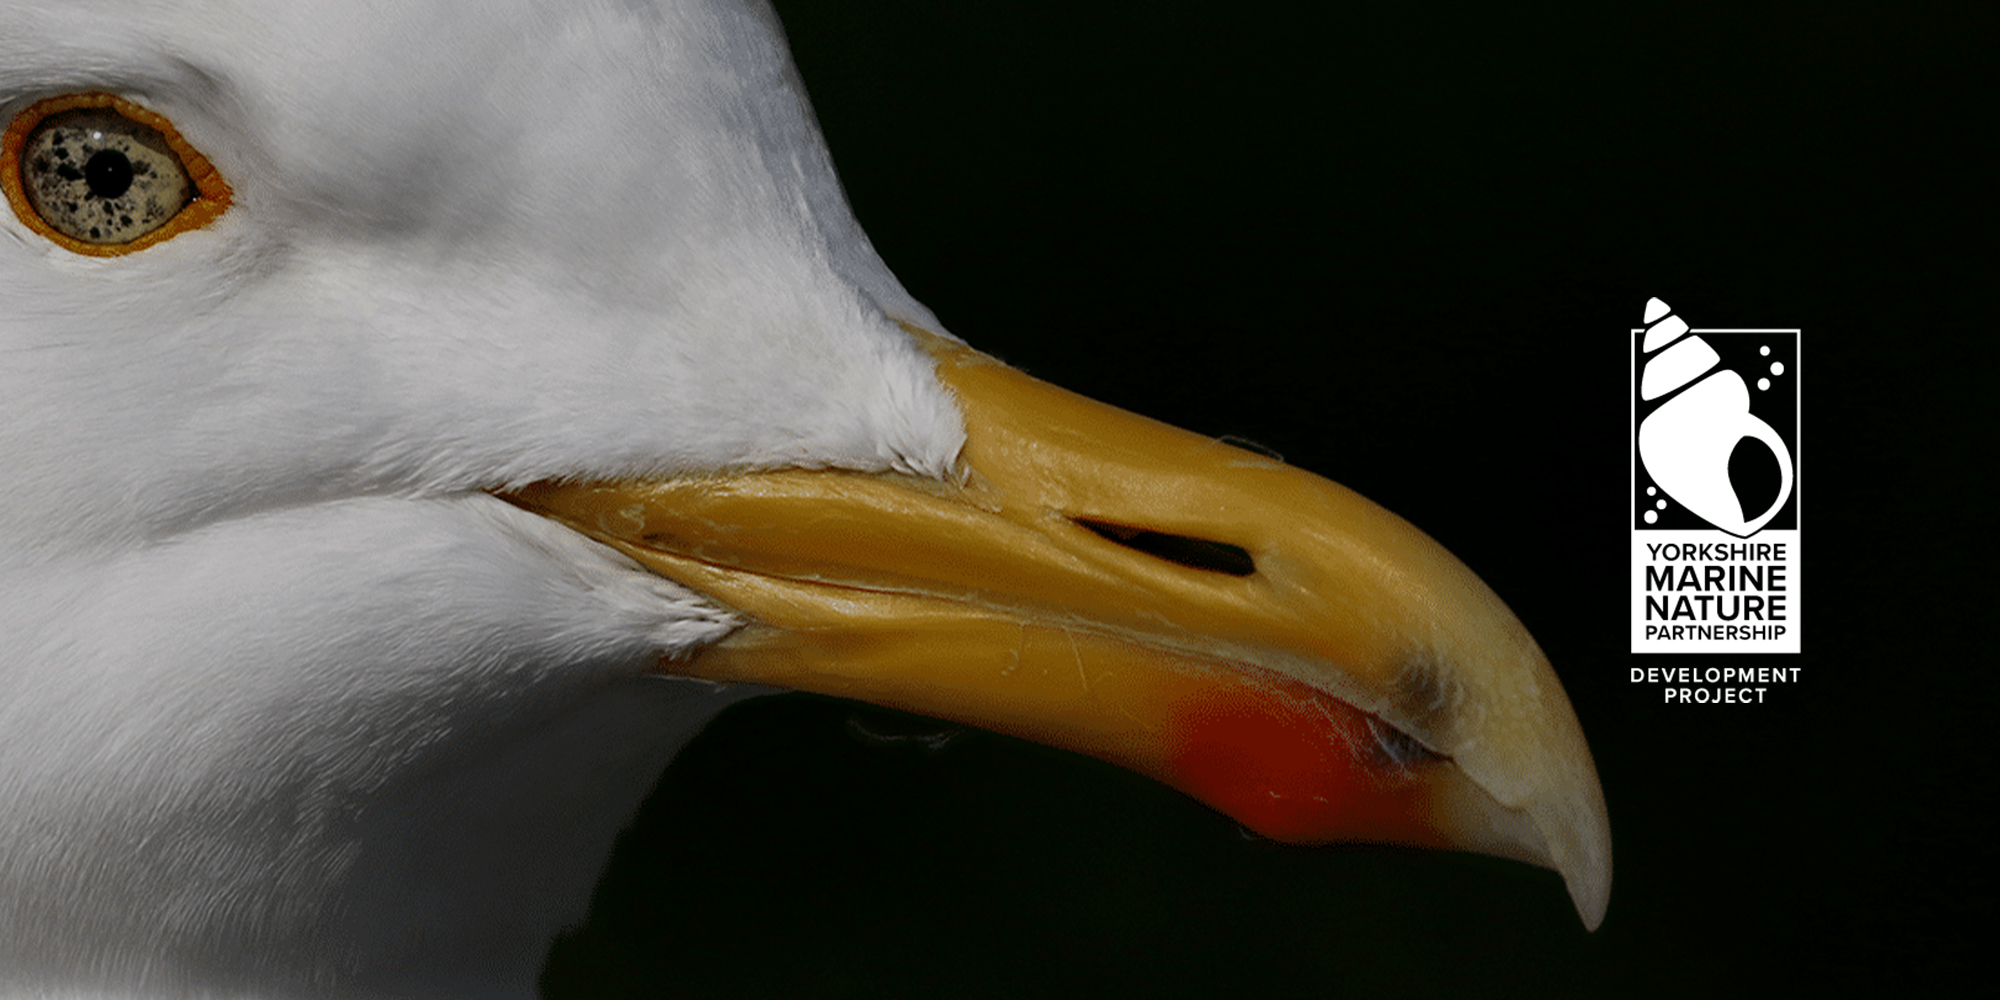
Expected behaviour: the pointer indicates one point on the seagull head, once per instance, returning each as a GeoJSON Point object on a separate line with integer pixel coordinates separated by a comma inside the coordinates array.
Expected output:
{"type": "Point", "coordinates": [425, 416]}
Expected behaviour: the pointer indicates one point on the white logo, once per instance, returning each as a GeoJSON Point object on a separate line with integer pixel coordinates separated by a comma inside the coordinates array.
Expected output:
{"type": "Point", "coordinates": [1715, 493]}
{"type": "Point", "coordinates": [1687, 441]}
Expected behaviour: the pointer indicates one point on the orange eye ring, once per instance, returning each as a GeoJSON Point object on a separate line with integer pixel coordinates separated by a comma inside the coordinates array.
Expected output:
{"type": "Point", "coordinates": [211, 195]}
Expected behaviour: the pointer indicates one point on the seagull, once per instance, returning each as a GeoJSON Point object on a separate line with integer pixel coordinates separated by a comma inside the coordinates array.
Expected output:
{"type": "Point", "coordinates": [424, 417]}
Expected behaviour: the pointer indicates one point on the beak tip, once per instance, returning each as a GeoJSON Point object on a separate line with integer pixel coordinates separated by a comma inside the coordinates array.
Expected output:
{"type": "Point", "coordinates": [1592, 908]}
{"type": "Point", "coordinates": [1591, 892]}
{"type": "Point", "coordinates": [1589, 882]}
{"type": "Point", "coordinates": [1565, 833]}
{"type": "Point", "coordinates": [1590, 887]}
{"type": "Point", "coordinates": [1580, 843]}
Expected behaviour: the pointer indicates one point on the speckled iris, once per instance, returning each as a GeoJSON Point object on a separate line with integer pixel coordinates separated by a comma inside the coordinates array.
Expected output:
{"type": "Point", "coordinates": [95, 175]}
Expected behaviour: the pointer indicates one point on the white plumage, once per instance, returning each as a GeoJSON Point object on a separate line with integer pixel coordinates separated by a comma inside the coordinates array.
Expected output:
{"type": "Point", "coordinates": [292, 704]}
{"type": "Point", "coordinates": [255, 609]}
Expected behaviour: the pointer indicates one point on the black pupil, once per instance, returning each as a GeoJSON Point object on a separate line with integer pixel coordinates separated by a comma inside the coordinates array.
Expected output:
{"type": "Point", "coordinates": [108, 172]}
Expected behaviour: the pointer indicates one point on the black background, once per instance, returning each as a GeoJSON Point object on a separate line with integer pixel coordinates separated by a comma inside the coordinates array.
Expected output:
{"type": "Point", "coordinates": [1403, 245]}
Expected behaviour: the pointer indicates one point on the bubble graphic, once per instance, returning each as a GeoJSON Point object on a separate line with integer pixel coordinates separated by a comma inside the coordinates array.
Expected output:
{"type": "Point", "coordinates": [1763, 383]}
{"type": "Point", "coordinates": [1662, 504]}
{"type": "Point", "coordinates": [1651, 517]}
{"type": "Point", "coordinates": [1777, 367]}
{"type": "Point", "coordinates": [1650, 490]}
{"type": "Point", "coordinates": [1765, 351]}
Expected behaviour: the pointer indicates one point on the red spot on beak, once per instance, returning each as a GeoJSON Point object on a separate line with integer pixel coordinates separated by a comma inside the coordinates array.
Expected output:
{"type": "Point", "coordinates": [1297, 765]}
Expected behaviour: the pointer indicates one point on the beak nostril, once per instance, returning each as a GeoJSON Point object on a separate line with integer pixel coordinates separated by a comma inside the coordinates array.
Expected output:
{"type": "Point", "coordinates": [1194, 553]}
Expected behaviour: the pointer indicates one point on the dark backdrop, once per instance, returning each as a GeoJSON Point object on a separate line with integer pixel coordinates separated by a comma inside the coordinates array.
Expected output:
{"type": "Point", "coordinates": [1401, 245]}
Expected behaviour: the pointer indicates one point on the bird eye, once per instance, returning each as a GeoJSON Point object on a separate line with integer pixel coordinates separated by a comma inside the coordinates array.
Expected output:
{"type": "Point", "coordinates": [101, 176]}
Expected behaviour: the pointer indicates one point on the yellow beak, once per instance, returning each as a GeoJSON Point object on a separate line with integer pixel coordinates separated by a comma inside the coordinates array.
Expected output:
{"type": "Point", "coordinates": [1268, 641]}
